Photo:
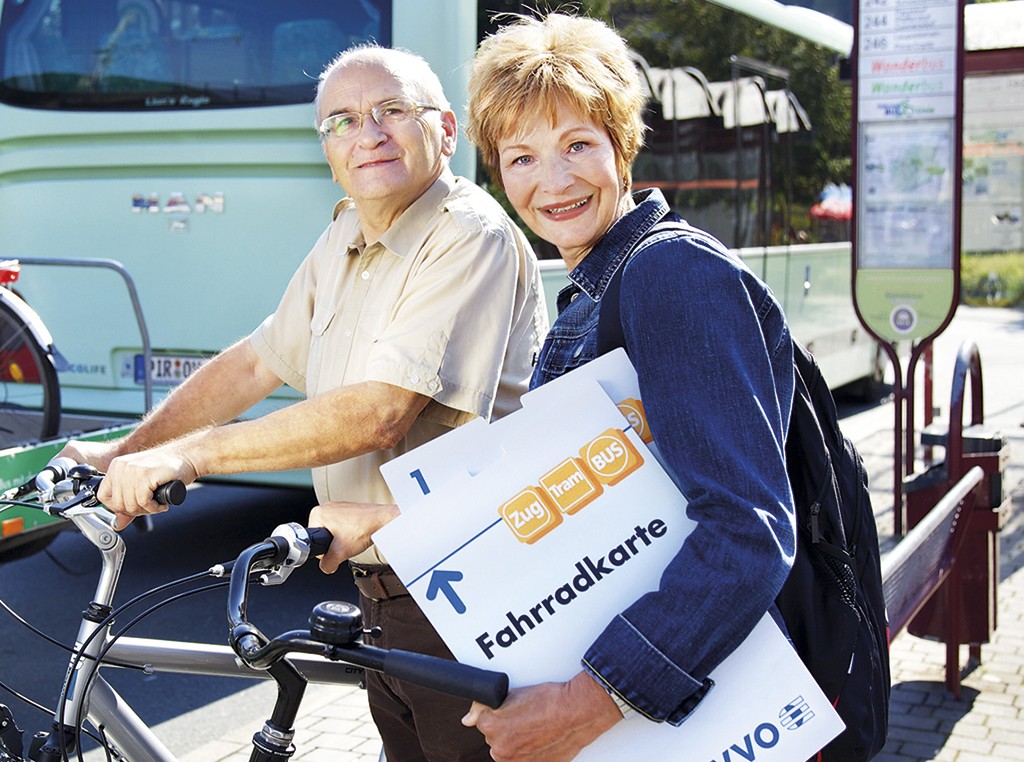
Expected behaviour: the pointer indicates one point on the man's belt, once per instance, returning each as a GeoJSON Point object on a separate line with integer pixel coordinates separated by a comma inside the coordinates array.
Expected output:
{"type": "Point", "coordinates": [377, 583]}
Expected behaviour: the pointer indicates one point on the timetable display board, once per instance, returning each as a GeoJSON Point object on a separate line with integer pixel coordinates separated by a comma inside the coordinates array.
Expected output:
{"type": "Point", "coordinates": [908, 127]}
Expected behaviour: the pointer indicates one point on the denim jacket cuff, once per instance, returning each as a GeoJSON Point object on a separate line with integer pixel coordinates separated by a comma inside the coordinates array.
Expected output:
{"type": "Point", "coordinates": [658, 689]}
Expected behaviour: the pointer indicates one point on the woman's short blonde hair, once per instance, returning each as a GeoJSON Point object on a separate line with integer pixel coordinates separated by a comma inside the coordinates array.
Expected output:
{"type": "Point", "coordinates": [531, 66]}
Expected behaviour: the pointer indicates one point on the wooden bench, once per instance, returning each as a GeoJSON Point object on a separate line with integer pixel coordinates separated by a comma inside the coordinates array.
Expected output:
{"type": "Point", "coordinates": [925, 558]}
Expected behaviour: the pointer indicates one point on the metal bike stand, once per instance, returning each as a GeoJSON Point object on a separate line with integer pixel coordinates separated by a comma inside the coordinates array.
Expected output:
{"type": "Point", "coordinates": [112, 264]}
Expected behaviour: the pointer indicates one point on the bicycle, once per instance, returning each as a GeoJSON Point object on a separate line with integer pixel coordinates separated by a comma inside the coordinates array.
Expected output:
{"type": "Point", "coordinates": [330, 651]}
{"type": "Point", "coordinates": [29, 390]}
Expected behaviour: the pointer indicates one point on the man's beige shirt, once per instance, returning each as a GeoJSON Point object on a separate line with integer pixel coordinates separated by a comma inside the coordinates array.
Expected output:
{"type": "Point", "coordinates": [448, 304]}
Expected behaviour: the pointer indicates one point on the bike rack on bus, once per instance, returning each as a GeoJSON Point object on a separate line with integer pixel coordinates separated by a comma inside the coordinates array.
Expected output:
{"type": "Point", "coordinates": [111, 264]}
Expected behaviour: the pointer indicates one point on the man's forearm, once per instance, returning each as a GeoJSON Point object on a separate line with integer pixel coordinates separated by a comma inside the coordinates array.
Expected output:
{"type": "Point", "coordinates": [347, 422]}
{"type": "Point", "coordinates": [219, 391]}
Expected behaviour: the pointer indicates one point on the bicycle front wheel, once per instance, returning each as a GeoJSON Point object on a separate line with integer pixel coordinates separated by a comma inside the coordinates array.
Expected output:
{"type": "Point", "coordinates": [29, 392]}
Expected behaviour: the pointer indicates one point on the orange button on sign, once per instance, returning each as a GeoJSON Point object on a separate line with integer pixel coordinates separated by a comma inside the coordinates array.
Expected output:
{"type": "Point", "coordinates": [569, 485]}
{"type": "Point", "coordinates": [529, 515]}
{"type": "Point", "coordinates": [611, 457]}
{"type": "Point", "coordinates": [633, 410]}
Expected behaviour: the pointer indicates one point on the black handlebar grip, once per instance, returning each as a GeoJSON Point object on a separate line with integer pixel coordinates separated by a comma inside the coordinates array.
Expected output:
{"type": "Point", "coordinates": [450, 677]}
{"type": "Point", "coordinates": [319, 540]}
{"type": "Point", "coordinates": [172, 493]}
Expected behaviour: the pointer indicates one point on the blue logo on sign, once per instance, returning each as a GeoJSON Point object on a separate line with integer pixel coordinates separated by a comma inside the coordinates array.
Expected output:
{"type": "Point", "coordinates": [795, 714]}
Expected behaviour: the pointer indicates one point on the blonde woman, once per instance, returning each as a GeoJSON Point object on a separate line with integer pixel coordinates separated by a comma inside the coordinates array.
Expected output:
{"type": "Point", "coordinates": [555, 108]}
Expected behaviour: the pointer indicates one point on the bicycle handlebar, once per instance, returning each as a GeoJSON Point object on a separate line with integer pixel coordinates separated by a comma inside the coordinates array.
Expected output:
{"type": "Point", "coordinates": [337, 625]}
{"type": "Point", "coordinates": [63, 483]}
{"type": "Point", "coordinates": [462, 680]}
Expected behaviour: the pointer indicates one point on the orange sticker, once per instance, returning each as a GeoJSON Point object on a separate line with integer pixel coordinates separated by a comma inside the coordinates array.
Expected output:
{"type": "Point", "coordinates": [530, 515]}
{"type": "Point", "coordinates": [569, 486]}
{"type": "Point", "coordinates": [633, 411]}
{"type": "Point", "coordinates": [611, 457]}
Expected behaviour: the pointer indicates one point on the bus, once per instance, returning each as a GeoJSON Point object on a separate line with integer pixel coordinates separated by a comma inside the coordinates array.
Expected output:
{"type": "Point", "coordinates": [160, 181]}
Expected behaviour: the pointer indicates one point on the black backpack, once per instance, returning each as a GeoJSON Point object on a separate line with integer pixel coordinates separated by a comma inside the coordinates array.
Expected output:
{"type": "Point", "coordinates": [832, 601]}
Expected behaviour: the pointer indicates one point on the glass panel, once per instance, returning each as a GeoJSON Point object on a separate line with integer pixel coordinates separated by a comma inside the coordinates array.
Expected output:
{"type": "Point", "coordinates": [163, 54]}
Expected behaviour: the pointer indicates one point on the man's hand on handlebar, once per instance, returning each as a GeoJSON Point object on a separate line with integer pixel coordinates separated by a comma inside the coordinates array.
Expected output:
{"type": "Point", "coordinates": [127, 488]}
{"type": "Point", "coordinates": [352, 525]}
{"type": "Point", "coordinates": [95, 454]}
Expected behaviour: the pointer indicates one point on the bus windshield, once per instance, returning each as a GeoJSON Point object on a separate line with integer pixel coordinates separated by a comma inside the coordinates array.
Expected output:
{"type": "Point", "coordinates": [145, 55]}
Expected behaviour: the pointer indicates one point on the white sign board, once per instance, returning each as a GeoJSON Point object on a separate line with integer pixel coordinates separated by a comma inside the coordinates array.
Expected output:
{"type": "Point", "coordinates": [535, 532]}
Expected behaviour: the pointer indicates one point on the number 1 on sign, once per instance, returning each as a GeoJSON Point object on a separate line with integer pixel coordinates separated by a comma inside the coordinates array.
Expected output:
{"type": "Point", "coordinates": [420, 481]}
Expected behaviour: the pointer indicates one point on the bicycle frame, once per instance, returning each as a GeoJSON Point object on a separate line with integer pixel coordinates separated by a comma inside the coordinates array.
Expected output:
{"type": "Point", "coordinates": [105, 709]}
{"type": "Point", "coordinates": [132, 736]}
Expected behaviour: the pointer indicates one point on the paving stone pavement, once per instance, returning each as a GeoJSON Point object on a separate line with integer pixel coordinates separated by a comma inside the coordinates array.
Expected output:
{"type": "Point", "coordinates": [926, 721]}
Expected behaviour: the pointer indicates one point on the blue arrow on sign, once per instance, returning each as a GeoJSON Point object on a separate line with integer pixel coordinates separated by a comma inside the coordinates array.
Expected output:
{"type": "Point", "coordinates": [441, 581]}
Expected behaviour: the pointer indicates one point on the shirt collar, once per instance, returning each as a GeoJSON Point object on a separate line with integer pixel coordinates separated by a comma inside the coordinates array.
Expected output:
{"type": "Point", "coordinates": [596, 269]}
{"type": "Point", "coordinates": [406, 233]}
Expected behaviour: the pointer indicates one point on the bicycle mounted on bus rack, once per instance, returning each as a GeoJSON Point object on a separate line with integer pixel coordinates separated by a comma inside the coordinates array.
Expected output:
{"type": "Point", "coordinates": [29, 391]}
{"type": "Point", "coordinates": [322, 653]}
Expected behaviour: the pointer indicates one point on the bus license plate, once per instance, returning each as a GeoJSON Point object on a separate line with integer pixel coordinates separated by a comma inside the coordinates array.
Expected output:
{"type": "Point", "coordinates": [167, 370]}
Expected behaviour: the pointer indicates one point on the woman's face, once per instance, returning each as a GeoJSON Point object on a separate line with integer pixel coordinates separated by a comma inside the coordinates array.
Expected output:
{"type": "Point", "coordinates": [563, 182]}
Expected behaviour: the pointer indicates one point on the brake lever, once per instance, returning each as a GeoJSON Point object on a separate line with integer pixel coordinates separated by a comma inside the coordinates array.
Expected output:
{"type": "Point", "coordinates": [297, 544]}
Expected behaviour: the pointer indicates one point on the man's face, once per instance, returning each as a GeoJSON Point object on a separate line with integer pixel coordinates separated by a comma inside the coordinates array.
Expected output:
{"type": "Point", "coordinates": [384, 167]}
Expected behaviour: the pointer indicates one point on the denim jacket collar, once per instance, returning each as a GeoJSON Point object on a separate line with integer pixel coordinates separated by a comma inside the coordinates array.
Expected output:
{"type": "Point", "coordinates": [595, 270]}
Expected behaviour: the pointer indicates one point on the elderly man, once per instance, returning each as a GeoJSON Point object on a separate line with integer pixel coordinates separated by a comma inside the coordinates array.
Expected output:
{"type": "Point", "coordinates": [418, 309]}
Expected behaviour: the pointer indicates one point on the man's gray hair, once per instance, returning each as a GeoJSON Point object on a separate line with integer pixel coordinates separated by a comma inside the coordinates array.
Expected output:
{"type": "Point", "coordinates": [403, 64]}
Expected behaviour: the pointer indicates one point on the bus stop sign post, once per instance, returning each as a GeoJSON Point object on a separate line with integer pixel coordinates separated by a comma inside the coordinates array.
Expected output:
{"type": "Point", "coordinates": [907, 150]}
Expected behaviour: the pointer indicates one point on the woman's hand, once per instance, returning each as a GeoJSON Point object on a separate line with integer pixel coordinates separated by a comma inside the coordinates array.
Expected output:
{"type": "Point", "coordinates": [352, 525]}
{"type": "Point", "coordinates": [551, 721]}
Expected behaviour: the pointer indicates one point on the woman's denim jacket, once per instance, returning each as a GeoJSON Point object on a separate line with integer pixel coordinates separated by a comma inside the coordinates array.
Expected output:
{"type": "Point", "coordinates": [712, 351]}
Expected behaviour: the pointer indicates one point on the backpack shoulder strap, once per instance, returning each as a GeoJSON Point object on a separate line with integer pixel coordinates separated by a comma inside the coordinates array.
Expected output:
{"type": "Point", "coordinates": [609, 321]}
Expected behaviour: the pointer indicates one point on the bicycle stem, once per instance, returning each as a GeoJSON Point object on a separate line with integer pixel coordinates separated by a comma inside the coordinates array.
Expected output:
{"type": "Point", "coordinates": [89, 643]}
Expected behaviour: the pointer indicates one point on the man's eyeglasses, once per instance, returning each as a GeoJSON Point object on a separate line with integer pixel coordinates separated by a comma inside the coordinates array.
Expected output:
{"type": "Point", "coordinates": [349, 123]}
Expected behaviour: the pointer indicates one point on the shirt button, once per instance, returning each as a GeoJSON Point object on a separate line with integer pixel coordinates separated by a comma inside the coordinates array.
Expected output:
{"type": "Point", "coordinates": [348, 332]}
{"type": "Point", "coordinates": [578, 350]}
{"type": "Point", "coordinates": [414, 378]}
{"type": "Point", "coordinates": [365, 275]}
{"type": "Point", "coordinates": [432, 386]}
